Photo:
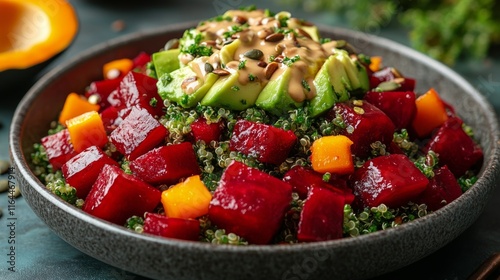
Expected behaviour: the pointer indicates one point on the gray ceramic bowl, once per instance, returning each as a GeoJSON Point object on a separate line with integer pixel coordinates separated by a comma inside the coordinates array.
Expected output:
{"type": "Point", "coordinates": [156, 257]}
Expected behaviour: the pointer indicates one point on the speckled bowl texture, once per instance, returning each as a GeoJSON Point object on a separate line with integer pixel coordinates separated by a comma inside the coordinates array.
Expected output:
{"type": "Point", "coordinates": [161, 258]}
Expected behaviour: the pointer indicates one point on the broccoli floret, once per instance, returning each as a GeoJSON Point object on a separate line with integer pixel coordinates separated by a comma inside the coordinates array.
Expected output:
{"type": "Point", "coordinates": [66, 192]}
{"type": "Point", "coordinates": [135, 223]}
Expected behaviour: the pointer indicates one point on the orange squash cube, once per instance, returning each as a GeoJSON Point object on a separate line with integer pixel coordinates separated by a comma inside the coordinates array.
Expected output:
{"type": "Point", "coordinates": [188, 200]}
{"type": "Point", "coordinates": [332, 154]}
{"type": "Point", "coordinates": [87, 130]}
{"type": "Point", "coordinates": [75, 105]}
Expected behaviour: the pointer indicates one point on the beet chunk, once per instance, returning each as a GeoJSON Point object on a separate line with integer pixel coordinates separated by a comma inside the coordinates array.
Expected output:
{"type": "Point", "coordinates": [82, 170]}
{"type": "Point", "coordinates": [207, 132]}
{"type": "Point", "coordinates": [138, 133]}
{"type": "Point", "coordinates": [393, 180]}
{"type": "Point", "coordinates": [58, 148]}
{"type": "Point", "coordinates": [365, 124]}
{"type": "Point", "coordinates": [267, 143]}
{"type": "Point", "coordinates": [140, 90]}
{"type": "Point", "coordinates": [455, 148]}
{"type": "Point", "coordinates": [249, 203]}
{"type": "Point", "coordinates": [322, 216]}
{"type": "Point", "coordinates": [116, 196]}
{"type": "Point", "coordinates": [166, 164]}
{"type": "Point", "coordinates": [399, 106]}
{"type": "Point", "coordinates": [388, 74]}
{"type": "Point", "coordinates": [443, 188]}
{"type": "Point", "coordinates": [304, 179]}
{"type": "Point", "coordinates": [186, 229]}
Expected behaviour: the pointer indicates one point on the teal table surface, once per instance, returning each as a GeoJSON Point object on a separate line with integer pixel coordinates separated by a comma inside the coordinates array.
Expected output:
{"type": "Point", "coordinates": [41, 254]}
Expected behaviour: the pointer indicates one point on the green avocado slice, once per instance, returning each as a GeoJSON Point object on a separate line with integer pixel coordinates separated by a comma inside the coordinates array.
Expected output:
{"type": "Point", "coordinates": [274, 98]}
{"type": "Point", "coordinates": [229, 93]}
{"type": "Point", "coordinates": [170, 86]}
{"type": "Point", "coordinates": [166, 61]}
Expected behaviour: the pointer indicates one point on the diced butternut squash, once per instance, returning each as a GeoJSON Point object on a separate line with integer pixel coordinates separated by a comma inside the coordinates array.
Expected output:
{"type": "Point", "coordinates": [75, 105]}
{"type": "Point", "coordinates": [188, 199]}
{"type": "Point", "coordinates": [375, 63]}
{"type": "Point", "coordinates": [117, 68]}
{"type": "Point", "coordinates": [431, 113]}
{"type": "Point", "coordinates": [86, 130]}
{"type": "Point", "coordinates": [332, 154]}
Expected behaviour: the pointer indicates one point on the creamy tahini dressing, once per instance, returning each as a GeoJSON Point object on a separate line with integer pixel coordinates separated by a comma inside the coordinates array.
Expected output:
{"type": "Point", "coordinates": [295, 50]}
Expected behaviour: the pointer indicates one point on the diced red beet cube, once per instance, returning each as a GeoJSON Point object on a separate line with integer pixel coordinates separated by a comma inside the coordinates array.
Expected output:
{"type": "Point", "coordinates": [443, 188]}
{"type": "Point", "coordinates": [58, 148]}
{"type": "Point", "coordinates": [141, 61]}
{"type": "Point", "coordinates": [110, 118]}
{"type": "Point", "coordinates": [393, 180]}
{"type": "Point", "coordinates": [140, 90]}
{"type": "Point", "coordinates": [388, 74]}
{"type": "Point", "coordinates": [206, 131]}
{"type": "Point", "coordinates": [399, 106]}
{"type": "Point", "coordinates": [103, 89]}
{"type": "Point", "coordinates": [82, 170]}
{"type": "Point", "coordinates": [166, 164]}
{"type": "Point", "coordinates": [267, 143]}
{"type": "Point", "coordinates": [117, 196]}
{"type": "Point", "coordinates": [365, 124]}
{"type": "Point", "coordinates": [322, 216]}
{"type": "Point", "coordinates": [455, 148]}
{"type": "Point", "coordinates": [250, 203]}
{"type": "Point", "coordinates": [186, 229]}
{"type": "Point", "coordinates": [138, 133]}
{"type": "Point", "coordinates": [304, 179]}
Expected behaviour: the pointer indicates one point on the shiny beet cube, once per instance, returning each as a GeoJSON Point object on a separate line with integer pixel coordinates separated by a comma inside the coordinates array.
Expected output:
{"type": "Point", "coordinates": [206, 132]}
{"type": "Point", "coordinates": [140, 90]}
{"type": "Point", "coordinates": [393, 180]}
{"type": "Point", "coordinates": [443, 188]}
{"type": "Point", "coordinates": [249, 203]}
{"type": "Point", "coordinates": [322, 216]}
{"type": "Point", "coordinates": [138, 133]}
{"type": "Point", "coordinates": [399, 106]}
{"type": "Point", "coordinates": [267, 143]}
{"type": "Point", "coordinates": [116, 196]}
{"type": "Point", "coordinates": [82, 170]}
{"type": "Point", "coordinates": [389, 74]}
{"type": "Point", "coordinates": [166, 164]}
{"type": "Point", "coordinates": [58, 148]}
{"type": "Point", "coordinates": [186, 229]}
{"type": "Point", "coordinates": [455, 148]}
{"type": "Point", "coordinates": [103, 89]}
{"type": "Point", "coordinates": [304, 179]}
{"type": "Point", "coordinates": [365, 124]}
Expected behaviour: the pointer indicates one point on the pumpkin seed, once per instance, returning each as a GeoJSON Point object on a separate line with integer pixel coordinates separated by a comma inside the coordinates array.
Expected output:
{"type": "Point", "coordinates": [4, 185]}
{"type": "Point", "coordinates": [4, 166]}
{"type": "Point", "coordinates": [255, 54]}
{"type": "Point", "coordinates": [209, 68]}
{"type": "Point", "coordinates": [172, 44]}
{"type": "Point", "coordinates": [388, 86]}
{"type": "Point", "coordinates": [221, 72]}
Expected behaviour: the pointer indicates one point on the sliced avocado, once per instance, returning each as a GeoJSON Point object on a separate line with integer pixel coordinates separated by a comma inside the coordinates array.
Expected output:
{"type": "Point", "coordinates": [356, 72]}
{"type": "Point", "coordinates": [339, 78]}
{"type": "Point", "coordinates": [227, 52]}
{"type": "Point", "coordinates": [170, 86]}
{"type": "Point", "coordinates": [166, 61]}
{"type": "Point", "coordinates": [229, 93]}
{"type": "Point", "coordinates": [274, 98]}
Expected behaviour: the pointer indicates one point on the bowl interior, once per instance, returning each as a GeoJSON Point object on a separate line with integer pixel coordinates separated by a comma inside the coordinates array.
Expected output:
{"type": "Point", "coordinates": [170, 259]}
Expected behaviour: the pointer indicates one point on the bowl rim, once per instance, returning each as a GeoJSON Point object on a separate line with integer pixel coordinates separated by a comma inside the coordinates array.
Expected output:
{"type": "Point", "coordinates": [17, 154]}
